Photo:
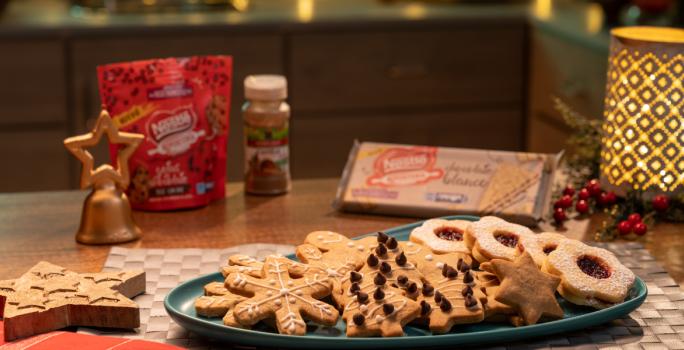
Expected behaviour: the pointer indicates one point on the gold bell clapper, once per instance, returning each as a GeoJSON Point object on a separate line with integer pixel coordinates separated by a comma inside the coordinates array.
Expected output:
{"type": "Point", "coordinates": [107, 217]}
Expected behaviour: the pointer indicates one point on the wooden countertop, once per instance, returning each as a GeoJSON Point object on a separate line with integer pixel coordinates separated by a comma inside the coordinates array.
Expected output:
{"type": "Point", "coordinates": [41, 226]}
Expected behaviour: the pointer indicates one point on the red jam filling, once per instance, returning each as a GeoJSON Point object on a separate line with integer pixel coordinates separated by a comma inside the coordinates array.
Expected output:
{"type": "Point", "coordinates": [508, 239]}
{"type": "Point", "coordinates": [593, 266]}
{"type": "Point", "coordinates": [449, 234]}
{"type": "Point", "coordinates": [549, 248]}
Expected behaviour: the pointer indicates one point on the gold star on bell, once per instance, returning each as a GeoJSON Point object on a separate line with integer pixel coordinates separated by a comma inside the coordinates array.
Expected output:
{"type": "Point", "coordinates": [106, 216]}
{"type": "Point", "coordinates": [77, 146]}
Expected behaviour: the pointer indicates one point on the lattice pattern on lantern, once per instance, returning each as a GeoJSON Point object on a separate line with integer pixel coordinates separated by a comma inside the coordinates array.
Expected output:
{"type": "Point", "coordinates": [643, 128]}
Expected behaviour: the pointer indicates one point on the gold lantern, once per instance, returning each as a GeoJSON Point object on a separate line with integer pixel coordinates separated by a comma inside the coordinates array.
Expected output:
{"type": "Point", "coordinates": [643, 131]}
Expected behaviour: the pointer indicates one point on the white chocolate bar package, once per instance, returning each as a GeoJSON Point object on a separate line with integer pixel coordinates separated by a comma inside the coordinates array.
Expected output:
{"type": "Point", "coordinates": [424, 181]}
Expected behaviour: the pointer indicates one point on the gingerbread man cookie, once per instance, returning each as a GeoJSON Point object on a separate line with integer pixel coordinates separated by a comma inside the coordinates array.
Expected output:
{"type": "Point", "coordinates": [589, 275]}
{"type": "Point", "coordinates": [281, 298]}
{"type": "Point", "coordinates": [442, 236]}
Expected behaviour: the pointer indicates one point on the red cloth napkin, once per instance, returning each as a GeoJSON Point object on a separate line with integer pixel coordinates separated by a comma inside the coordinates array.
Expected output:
{"type": "Point", "coordinates": [70, 340]}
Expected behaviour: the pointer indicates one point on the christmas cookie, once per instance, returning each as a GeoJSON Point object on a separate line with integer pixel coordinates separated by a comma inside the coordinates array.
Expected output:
{"type": "Point", "coordinates": [527, 289]}
{"type": "Point", "coordinates": [449, 296]}
{"type": "Point", "coordinates": [374, 307]}
{"type": "Point", "coordinates": [389, 260]}
{"type": "Point", "coordinates": [442, 236]}
{"type": "Point", "coordinates": [281, 298]}
{"type": "Point", "coordinates": [589, 275]}
{"type": "Point", "coordinates": [495, 311]}
{"type": "Point", "coordinates": [494, 238]}
{"type": "Point", "coordinates": [216, 301]}
{"type": "Point", "coordinates": [335, 263]}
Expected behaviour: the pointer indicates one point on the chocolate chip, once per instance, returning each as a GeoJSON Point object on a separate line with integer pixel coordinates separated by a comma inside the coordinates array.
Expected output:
{"type": "Point", "coordinates": [379, 279]}
{"type": "Point", "coordinates": [428, 289]}
{"type": "Point", "coordinates": [387, 308]}
{"type": "Point", "coordinates": [445, 305]}
{"type": "Point", "coordinates": [412, 288]}
{"type": "Point", "coordinates": [445, 267]}
{"type": "Point", "coordinates": [359, 319]}
{"type": "Point", "coordinates": [400, 259]}
{"type": "Point", "coordinates": [467, 277]}
{"type": "Point", "coordinates": [378, 294]}
{"type": "Point", "coordinates": [475, 265]}
{"type": "Point", "coordinates": [438, 297]}
{"type": "Point", "coordinates": [451, 273]}
{"type": "Point", "coordinates": [372, 260]}
{"type": "Point", "coordinates": [392, 243]}
{"type": "Point", "coordinates": [354, 288]}
{"type": "Point", "coordinates": [424, 308]}
{"type": "Point", "coordinates": [467, 290]}
{"type": "Point", "coordinates": [463, 266]}
{"type": "Point", "coordinates": [362, 297]}
{"type": "Point", "coordinates": [382, 237]}
{"type": "Point", "coordinates": [459, 263]}
{"type": "Point", "coordinates": [385, 267]}
{"type": "Point", "coordinates": [402, 279]}
{"type": "Point", "coordinates": [381, 250]}
{"type": "Point", "coordinates": [355, 276]}
{"type": "Point", "coordinates": [470, 301]}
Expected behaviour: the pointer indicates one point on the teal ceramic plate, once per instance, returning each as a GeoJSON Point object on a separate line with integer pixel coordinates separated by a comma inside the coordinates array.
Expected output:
{"type": "Point", "coordinates": [180, 303]}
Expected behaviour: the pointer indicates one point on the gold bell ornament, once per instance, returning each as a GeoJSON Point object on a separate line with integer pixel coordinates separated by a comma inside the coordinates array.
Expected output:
{"type": "Point", "coordinates": [106, 216]}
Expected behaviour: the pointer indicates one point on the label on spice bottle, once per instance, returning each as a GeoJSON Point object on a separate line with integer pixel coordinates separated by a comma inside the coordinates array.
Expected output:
{"type": "Point", "coordinates": [267, 152]}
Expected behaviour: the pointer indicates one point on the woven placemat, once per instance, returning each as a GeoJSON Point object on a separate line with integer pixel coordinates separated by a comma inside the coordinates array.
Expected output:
{"type": "Point", "coordinates": [657, 324]}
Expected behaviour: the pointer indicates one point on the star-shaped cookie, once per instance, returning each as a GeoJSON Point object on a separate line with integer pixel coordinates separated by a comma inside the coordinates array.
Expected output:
{"type": "Point", "coordinates": [526, 288]}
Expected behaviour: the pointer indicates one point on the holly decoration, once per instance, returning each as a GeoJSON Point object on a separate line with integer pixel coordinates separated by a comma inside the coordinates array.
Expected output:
{"type": "Point", "coordinates": [629, 216]}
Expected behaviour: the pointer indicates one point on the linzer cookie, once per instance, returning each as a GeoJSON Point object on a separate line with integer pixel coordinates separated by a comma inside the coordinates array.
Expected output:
{"type": "Point", "coordinates": [494, 238]}
{"type": "Point", "coordinates": [442, 236]}
{"type": "Point", "coordinates": [181, 105]}
{"type": "Point", "coordinates": [436, 181]}
{"type": "Point", "coordinates": [589, 275]}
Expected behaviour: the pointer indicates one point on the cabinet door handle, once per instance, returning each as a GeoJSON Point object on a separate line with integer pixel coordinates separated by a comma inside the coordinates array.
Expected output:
{"type": "Point", "coordinates": [407, 71]}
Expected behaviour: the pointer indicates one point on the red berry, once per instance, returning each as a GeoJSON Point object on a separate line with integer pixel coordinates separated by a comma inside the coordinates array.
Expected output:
{"type": "Point", "coordinates": [594, 189]}
{"type": "Point", "coordinates": [564, 202]}
{"type": "Point", "coordinates": [592, 182]}
{"type": "Point", "coordinates": [582, 206]}
{"type": "Point", "coordinates": [583, 194]}
{"type": "Point", "coordinates": [634, 218]}
{"type": "Point", "coordinates": [661, 203]}
{"type": "Point", "coordinates": [607, 198]}
{"type": "Point", "coordinates": [640, 229]}
{"type": "Point", "coordinates": [559, 215]}
{"type": "Point", "coordinates": [624, 227]}
{"type": "Point", "coordinates": [569, 191]}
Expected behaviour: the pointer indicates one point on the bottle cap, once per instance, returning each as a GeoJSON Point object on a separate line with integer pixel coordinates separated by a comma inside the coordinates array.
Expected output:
{"type": "Point", "coordinates": [265, 87]}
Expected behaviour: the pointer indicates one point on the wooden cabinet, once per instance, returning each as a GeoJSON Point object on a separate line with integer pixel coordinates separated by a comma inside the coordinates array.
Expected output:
{"type": "Point", "coordinates": [449, 84]}
{"type": "Point", "coordinates": [32, 73]}
{"type": "Point", "coordinates": [396, 69]}
{"type": "Point", "coordinates": [251, 54]}
{"type": "Point", "coordinates": [572, 71]}
{"type": "Point", "coordinates": [33, 160]}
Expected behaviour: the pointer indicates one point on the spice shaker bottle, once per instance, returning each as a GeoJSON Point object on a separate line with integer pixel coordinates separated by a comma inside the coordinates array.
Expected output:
{"type": "Point", "coordinates": [266, 117]}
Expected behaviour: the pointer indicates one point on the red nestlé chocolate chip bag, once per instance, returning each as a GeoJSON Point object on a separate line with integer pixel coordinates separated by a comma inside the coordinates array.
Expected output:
{"type": "Point", "coordinates": [181, 105]}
